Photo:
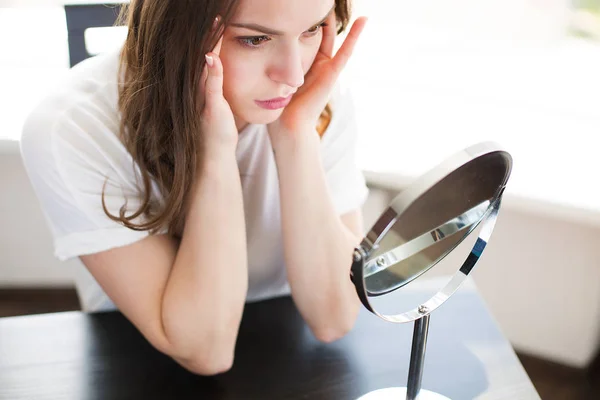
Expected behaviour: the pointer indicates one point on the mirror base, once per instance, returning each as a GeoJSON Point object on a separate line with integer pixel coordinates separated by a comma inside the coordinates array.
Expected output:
{"type": "Point", "coordinates": [396, 393]}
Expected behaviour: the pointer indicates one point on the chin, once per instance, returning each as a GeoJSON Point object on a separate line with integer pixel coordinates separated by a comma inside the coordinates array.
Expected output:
{"type": "Point", "coordinates": [261, 116]}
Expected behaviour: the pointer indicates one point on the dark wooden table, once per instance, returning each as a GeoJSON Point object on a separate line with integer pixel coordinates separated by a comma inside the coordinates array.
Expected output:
{"type": "Point", "coordinates": [81, 356]}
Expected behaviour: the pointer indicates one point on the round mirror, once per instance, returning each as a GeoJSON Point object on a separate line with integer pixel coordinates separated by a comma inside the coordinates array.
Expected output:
{"type": "Point", "coordinates": [452, 207]}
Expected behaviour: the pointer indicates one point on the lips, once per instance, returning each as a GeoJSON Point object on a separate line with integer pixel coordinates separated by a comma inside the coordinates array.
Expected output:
{"type": "Point", "coordinates": [274, 104]}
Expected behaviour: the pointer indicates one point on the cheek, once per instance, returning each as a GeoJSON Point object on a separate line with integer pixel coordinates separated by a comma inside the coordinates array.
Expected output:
{"type": "Point", "coordinates": [236, 77]}
{"type": "Point", "coordinates": [243, 82]}
{"type": "Point", "coordinates": [309, 55]}
{"type": "Point", "coordinates": [231, 79]}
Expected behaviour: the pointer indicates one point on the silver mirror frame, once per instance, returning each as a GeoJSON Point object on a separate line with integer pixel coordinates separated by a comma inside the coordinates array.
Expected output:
{"type": "Point", "coordinates": [405, 199]}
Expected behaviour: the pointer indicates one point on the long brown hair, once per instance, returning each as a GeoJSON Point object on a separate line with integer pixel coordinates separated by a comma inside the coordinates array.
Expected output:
{"type": "Point", "coordinates": [161, 64]}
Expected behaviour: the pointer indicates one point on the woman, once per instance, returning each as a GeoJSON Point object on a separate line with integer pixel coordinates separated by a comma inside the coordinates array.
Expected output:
{"type": "Point", "coordinates": [206, 165]}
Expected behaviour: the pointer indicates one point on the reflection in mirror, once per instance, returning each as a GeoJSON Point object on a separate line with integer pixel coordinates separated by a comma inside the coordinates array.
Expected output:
{"type": "Point", "coordinates": [409, 260]}
{"type": "Point", "coordinates": [426, 284]}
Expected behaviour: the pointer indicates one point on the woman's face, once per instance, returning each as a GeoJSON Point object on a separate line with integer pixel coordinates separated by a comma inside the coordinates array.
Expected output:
{"type": "Point", "coordinates": [267, 49]}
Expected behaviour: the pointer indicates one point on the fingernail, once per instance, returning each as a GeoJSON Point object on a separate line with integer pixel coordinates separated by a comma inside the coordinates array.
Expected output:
{"type": "Point", "coordinates": [209, 60]}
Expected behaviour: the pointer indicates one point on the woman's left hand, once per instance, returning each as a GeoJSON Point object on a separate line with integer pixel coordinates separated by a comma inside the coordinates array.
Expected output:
{"type": "Point", "coordinates": [303, 112]}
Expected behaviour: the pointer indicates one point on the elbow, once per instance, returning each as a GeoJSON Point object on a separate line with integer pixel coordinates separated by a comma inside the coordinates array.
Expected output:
{"type": "Point", "coordinates": [329, 336]}
{"type": "Point", "coordinates": [332, 332]}
{"type": "Point", "coordinates": [208, 366]}
{"type": "Point", "coordinates": [206, 353]}
{"type": "Point", "coordinates": [208, 358]}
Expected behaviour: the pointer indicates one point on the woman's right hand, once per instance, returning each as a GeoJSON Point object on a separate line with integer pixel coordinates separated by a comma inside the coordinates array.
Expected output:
{"type": "Point", "coordinates": [217, 122]}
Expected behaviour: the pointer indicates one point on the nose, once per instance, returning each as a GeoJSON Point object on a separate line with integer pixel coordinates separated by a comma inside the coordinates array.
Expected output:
{"type": "Point", "coordinates": [287, 68]}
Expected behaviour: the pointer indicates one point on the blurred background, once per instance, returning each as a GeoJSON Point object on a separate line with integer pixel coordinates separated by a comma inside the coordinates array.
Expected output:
{"type": "Point", "coordinates": [428, 78]}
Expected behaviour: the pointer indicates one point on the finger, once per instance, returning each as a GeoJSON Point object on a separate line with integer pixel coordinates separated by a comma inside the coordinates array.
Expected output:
{"type": "Point", "coordinates": [214, 81]}
{"type": "Point", "coordinates": [329, 35]}
{"type": "Point", "coordinates": [205, 70]}
{"type": "Point", "coordinates": [203, 78]}
{"type": "Point", "coordinates": [216, 49]}
{"type": "Point", "coordinates": [345, 52]}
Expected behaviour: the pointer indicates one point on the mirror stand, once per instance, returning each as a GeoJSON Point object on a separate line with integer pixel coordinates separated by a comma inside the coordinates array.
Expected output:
{"type": "Point", "coordinates": [413, 390]}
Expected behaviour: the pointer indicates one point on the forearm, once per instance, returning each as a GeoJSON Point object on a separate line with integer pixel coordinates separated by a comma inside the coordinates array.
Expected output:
{"type": "Point", "coordinates": [206, 291]}
{"type": "Point", "coordinates": [318, 247]}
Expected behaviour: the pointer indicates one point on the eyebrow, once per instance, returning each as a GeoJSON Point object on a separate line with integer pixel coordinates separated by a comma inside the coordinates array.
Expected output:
{"type": "Point", "coordinates": [262, 29]}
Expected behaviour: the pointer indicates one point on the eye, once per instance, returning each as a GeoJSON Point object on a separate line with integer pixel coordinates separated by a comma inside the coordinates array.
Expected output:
{"type": "Point", "coordinates": [315, 29]}
{"type": "Point", "coordinates": [253, 42]}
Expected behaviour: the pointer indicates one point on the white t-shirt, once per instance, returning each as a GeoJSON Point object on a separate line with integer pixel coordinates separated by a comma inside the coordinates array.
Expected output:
{"type": "Point", "coordinates": [70, 145]}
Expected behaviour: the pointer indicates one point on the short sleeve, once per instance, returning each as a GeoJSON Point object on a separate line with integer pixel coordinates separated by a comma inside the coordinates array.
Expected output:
{"type": "Point", "coordinates": [345, 179]}
{"type": "Point", "coordinates": [69, 157]}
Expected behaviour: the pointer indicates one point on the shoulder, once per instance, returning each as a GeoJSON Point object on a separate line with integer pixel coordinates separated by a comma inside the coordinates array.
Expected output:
{"type": "Point", "coordinates": [71, 138]}
{"type": "Point", "coordinates": [89, 88]}
{"type": "Point", "coordinates": [79, 115]}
